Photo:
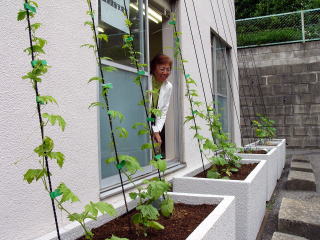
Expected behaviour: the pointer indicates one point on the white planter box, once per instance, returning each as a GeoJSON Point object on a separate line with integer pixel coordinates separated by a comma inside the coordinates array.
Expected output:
{"type": "Point", "coordinates": [250, 196]}
{"type": "Point", "coordinates": [281, 152]}
{"type": "Point", "coordinates": [218, 225]}
{"type": "Point", "coordinates": [272, 167]}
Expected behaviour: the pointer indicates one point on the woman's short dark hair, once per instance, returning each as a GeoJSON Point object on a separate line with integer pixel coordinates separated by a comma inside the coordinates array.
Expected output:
{"type": "Point", "coordinates": [160, 59]}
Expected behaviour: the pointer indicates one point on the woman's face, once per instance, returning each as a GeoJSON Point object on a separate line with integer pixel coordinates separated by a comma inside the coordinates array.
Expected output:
{"type": "Point", "coordinates": [162, 72]}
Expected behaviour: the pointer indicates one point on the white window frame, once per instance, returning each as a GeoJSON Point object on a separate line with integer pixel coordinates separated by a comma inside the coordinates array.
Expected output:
{"type": "Point", "coordinates": [229, 77]}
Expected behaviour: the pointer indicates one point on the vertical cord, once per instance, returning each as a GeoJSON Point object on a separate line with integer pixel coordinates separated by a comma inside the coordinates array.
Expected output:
{"type": "Point", "coordinates": [190, 101]}
{"type": "Point", "coordinates": [107, 104]}
{"type": "Point", "coordinates": [228, 74]}
{"type": "Point", "coordinates": [141, 90]}
{"type": "Point", "coordinates": [198, 64]}
{"type": "Point", "coordinates": [254, 66]}
{"type": "Point", "coordinates": [41, 127]}
{"type": "Point", "coordinates": [251, 95]}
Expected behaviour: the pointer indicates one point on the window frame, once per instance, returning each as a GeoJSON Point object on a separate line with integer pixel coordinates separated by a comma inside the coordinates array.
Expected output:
{"type": "Point", "coordinates": [174, 164]}
{"type": "Point", "coordinates": [229, 77]}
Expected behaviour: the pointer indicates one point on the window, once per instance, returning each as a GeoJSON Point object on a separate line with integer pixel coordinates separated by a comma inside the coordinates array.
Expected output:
{"type": "Point", "coordinates": [221, 77]}
{"type": "Point", "coordinates": [152, 35]}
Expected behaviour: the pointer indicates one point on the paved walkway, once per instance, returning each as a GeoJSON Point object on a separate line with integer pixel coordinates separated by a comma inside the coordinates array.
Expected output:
{"type": "Point", "coordinates": [270, 224]}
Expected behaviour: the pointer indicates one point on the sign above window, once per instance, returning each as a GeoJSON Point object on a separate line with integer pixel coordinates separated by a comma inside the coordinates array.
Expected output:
{"type": "Point", "coordinates": [112, 13]}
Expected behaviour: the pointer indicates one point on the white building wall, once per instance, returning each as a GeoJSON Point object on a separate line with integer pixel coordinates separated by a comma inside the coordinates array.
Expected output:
{"type": "Point", "coordinates": [25, 209]}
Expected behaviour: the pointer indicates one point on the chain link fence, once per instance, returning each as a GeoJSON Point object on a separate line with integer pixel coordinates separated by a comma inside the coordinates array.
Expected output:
{"type": "Point", "coordinates": [291, 27]}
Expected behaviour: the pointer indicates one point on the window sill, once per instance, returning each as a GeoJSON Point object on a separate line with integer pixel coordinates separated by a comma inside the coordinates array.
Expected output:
{"type": "Point", "coordinates": [105, 193]}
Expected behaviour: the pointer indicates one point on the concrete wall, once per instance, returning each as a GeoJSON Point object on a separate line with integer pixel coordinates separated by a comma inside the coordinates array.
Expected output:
{"type": "Point", "coordinates": [25, 209]}
{"type": "Point", "coordinates": [290, 82]}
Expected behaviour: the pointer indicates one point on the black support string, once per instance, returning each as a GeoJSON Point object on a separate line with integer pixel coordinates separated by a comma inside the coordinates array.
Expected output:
{"type": "Point", "coordinates": [190, 101]}
{"type": "Point", "coordinates": [255, 68]}
{"type": "Point", "coordinates": [258, 83]}
{"type": "Point", "coordinates": [225, 34]}
{"type": "Point", "coordinates": [198, 64]}
{"type": "Point", "coordinates": [107, 105]}
{"type": "Point", "coordinates": [251, 97]}
{"type": "Point", "coordinates": [232, 40]}
{"type": "Point", "coordinates": [141, 90]}
{"type": "Point", "coordinates": [42, 127]}
{"type": "Point", "coordinates": [228, 74]}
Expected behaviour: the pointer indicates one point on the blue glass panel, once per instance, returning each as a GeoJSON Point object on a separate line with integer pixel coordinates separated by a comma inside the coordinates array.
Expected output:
{"type": "Point", "coordinates": [124, 97]}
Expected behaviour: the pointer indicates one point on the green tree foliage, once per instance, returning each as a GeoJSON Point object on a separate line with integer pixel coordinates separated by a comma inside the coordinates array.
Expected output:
{"type": "Point", "coordinates": [255, 8]}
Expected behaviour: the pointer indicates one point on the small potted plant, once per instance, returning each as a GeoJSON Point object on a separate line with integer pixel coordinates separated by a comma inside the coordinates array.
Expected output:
{"type": "Point", "coordinates": [265, 131]}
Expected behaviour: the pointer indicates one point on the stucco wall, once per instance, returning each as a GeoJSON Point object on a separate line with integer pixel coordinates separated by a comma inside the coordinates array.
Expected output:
{"type": "Point", "coordinates": [289, 79]}
{"type": "Point", "coordinates": [25, 209]}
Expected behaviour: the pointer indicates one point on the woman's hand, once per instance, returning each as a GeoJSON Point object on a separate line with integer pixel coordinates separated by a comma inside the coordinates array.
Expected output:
{"type": "Point", "coordinates": [157, 137]}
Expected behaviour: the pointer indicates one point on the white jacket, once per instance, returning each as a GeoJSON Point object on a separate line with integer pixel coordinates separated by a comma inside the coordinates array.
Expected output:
{"type": "Point", "coordinates": [163, 105]}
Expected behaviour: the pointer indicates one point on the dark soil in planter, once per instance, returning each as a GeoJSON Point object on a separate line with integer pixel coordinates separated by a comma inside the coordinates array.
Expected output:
{"type": "Point", "coordinates": [260, 151]}
{"type": "Point", "coordinates": [243, 172]}
{"type": "Point", "coordinates": [179, 226]}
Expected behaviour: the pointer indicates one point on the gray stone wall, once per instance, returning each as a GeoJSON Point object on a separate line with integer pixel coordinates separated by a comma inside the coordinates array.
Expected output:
{"type": "Point", "coordinates": [289, 92]}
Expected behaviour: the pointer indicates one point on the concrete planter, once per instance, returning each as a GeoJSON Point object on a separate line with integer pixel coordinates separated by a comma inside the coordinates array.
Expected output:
{"type": "Point", "coordinates": [219, 224]}
{"type": "Point", "coordinates": [280, 152]}
{"type": "Point", "coordinates": [250, 196]}
{"type": "Point", "coordinates": [272, 167]}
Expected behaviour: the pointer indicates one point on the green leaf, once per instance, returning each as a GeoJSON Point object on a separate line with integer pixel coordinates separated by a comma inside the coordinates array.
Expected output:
{"type": "Point", "coordinates": [133, 195]}
{"type": "Point", "coordinates": [40, 42]}
{"type": "Point", "coordinates": [58, 156]}
{"type": "Point", "coordinates": [132, 165]}
{"type": "Point", "coordinates": [110, 160]}
{"type": "Point", "coordinates": [67, 194]}
{"type": "Point", "coordinates": [208, 144]}
{"type": "Point", "coordinates": [102, 36]}
{"type": "Point", "coordinates": [213, 174]}
{"type": "Point", "coordinates": [96, 79]}
{"type": "Point", "coordinates": [146, 146]}
{"type": "Point", "coordinates": [116, 238]}
{"type": "Point", "coordinates": [159, 164]}
{"type": "Point", "coordinates": [109, 69]}
{"type": "Point", "coordinates": [156, 188]}
{"type": "Point", "coordinates": [154, 225]}
{"type": "Point", "coordinates": [148, 211]}
{"type": "Point", "coordinates": [137, 218]}
{"type": "Point", "coordinates": [122, 132]}
{"type": "Point", "coordinates": [98, 104]}
{"type": "Point", "coordinates": [76, 217]}
{"type": "Point", "coordinates": [55, 118]}
{"type": "Point", "coordinates": [21, 15]}
{"type": "Point", "coordinates": [116, 115]}
{"type": "Point", "coordinates": [47, 99]}
{"type": "Point", "coordinates": [45, 148]}
{"type": "Point", "coordinates": [34, 174]}
{"type": "Point", "coordinates": [167, 207]}
{"type": "Point", "coordinates": [143, 131]}
{"type": "Point", "coordinates": [88, 23]}
{"type": "Point", "coordinates": [101, 207]}
{"type": "Point", "coordinates": [106, 58]}
{"type": "Point", "coordinates": [138, 124]}
{"type": "Point", "coordinates": [88, 45]}
{"type": "Point", "coordinates": [36, 49]}
{"type": "Point", "coordinates": [35, 26]}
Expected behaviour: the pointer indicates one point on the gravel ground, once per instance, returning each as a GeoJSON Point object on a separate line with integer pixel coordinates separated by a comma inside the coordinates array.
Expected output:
{"type": "Point", "coordinates": [270, 223]}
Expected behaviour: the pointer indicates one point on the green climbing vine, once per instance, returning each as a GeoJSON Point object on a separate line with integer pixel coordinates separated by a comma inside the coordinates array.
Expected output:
{"type": "Point", "coordinates": [45, 151]}
{"type": "Point", "coordinates": [219, 150]}
{"type": "Point", "coordinates": [126, 164]}
{"type": "Point", "coordinates": [264, 128]}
